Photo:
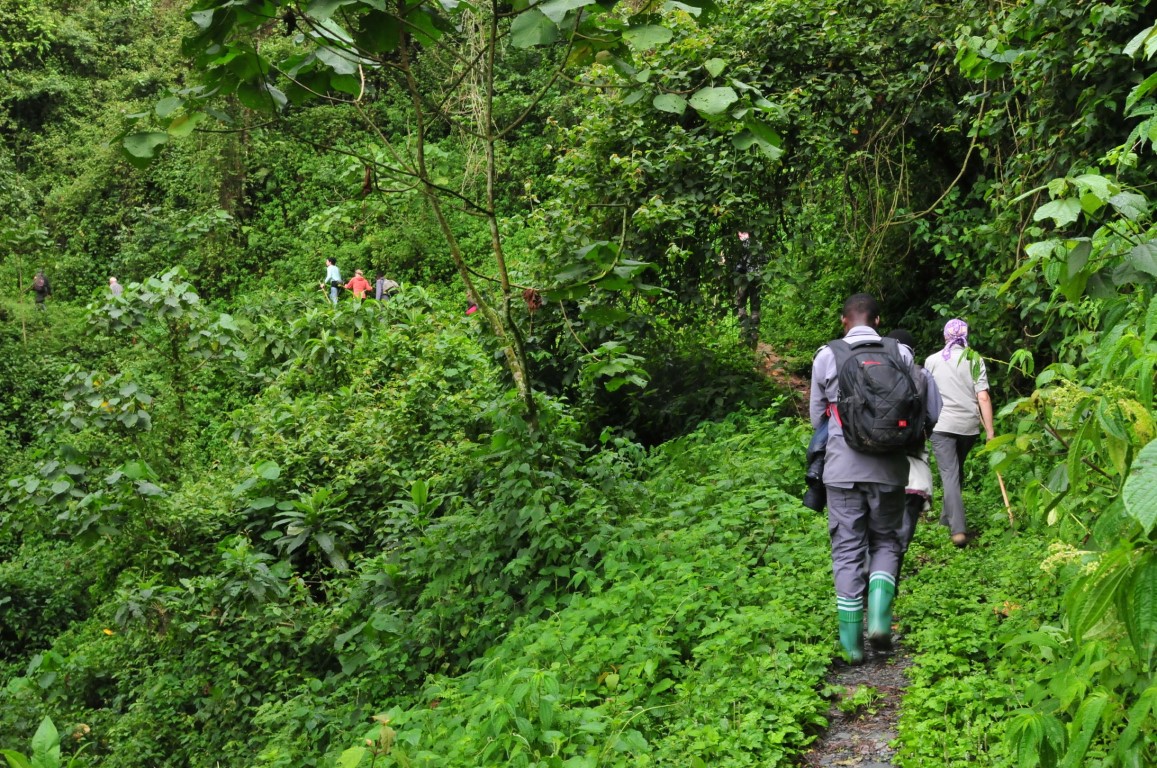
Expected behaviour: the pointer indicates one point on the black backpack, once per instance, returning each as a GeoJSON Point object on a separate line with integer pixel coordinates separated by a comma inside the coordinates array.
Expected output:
{"type": "Point", "coordinates": [878, 405]}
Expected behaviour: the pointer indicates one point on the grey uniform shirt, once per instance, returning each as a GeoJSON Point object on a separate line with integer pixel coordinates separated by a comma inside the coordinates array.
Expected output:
{"type": "Point", "coordinates": [843, 467]}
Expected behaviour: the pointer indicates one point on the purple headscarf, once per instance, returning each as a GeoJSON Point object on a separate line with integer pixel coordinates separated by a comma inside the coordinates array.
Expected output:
{"type": "Point", "coordinates": [956, 334]}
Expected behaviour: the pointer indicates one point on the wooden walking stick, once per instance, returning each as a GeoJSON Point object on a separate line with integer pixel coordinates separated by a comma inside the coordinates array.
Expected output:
{"type": "Point", "coordinates": [1004, 493]}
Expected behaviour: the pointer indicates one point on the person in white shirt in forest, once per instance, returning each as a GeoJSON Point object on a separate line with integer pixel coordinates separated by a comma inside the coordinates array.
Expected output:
{"type": "Point", "coordinates": [963, 384]}
{"type": "Point", "coordinates": [332, 279]}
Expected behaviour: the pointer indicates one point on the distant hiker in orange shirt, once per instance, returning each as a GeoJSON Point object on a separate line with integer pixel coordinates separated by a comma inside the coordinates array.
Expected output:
{"type": "Point", "coordinates": [359, 285]}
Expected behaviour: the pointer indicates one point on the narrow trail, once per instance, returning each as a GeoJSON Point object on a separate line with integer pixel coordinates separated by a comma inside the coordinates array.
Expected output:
{"type": "Point", "coordinates": [772, 365]}
{"type": "Point", "coordinates": [861, 737]}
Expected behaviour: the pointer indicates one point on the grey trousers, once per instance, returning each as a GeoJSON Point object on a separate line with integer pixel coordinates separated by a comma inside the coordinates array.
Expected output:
{"type": "Point", "coordinates": [864, 524]}
{"type": "Point", "coordinates": [950, 451]}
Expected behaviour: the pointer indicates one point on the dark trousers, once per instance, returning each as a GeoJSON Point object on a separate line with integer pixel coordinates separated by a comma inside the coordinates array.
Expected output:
{"type": "Point", "coordinates": [950, 451]}
{"type": "Point", "coordinates": [747, 290]}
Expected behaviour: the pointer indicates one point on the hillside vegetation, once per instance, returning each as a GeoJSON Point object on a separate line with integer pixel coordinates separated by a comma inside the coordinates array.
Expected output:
{"type": "Point", "coordinates": [243, 526]}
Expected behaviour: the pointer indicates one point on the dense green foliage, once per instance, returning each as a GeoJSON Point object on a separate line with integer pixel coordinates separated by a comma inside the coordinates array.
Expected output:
{"type": "Point", "coordinates": [241, 526]}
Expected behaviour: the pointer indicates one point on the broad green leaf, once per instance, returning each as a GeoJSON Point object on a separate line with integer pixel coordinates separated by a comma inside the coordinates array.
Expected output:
{"type": "Point", "coordinates": [1130, 205]}
{"type": "Point", "coordinates": [167, 106]}
{"type": "Point", "coordinates": [1058, 187]}
{"type": "Point", "coordinates": [634, 96]}
{"type": "Point", "coordinates": [1092, 599]}
{"type": "Point", "coordinates": [647, 36]}
{"type": "Point", "coordinates": [1091, 203]}
{"type": "Point", "coordinates": [424, 26]}
{"type": "Point", "coordinates": [1058, 479]}
{"type": "Point", "coordinates": [352, 757]}
{"type": "Point", "coordinates": [145, 488]}
{"type": "Point", "coordinates": [670, 102]}
{"type": "Point", "coordinates": [1150, 322]}
{"type": "Point", "coordinates": [341, 61]}
{"type": "Point", "coordinates": [1063, 212]}
{"type": "Point", "coordinates": [1139, 40]}
{"type": "Point", "coordinates": [1140, 492]}
{"type": "Point", "coordinates": [202, 19]}
{"type": "Point", "coordinates": [1143, 258]}
{"type": "Point", "coordinates": [378, 32]}
{"type": "Point", "coordinates": [268, 470]}
{"type": "Point", "coordinates": [1078, 257]}
{"type": "Point", "coordinates": [713, 101]}
{"type": "Point", "coordinates": [1141, 609]}
{"type": "Point", "coordinates": [532, 28]}
{"type": "Point", "coordinates": [1042, 249]}
{"type": "Point", "coordinates": [350, 84]}
{"type": "Point", "coordinates": [1137, 718]}
{"type": "Point", "coordinates": [1100, 186]}
{"type": "Point", "coordinates": [693, 7]}
{"type": "Point", "coordinates": [556, 10]}
{"type": "Point", "coordinates": [715, 67]}
{"type": "Point", "coordinates": [323, 9]}
{"type": "Point", "coordinates": [260, 97]}
{"type": "Point", "coordinates": [1084, 726]}
{"type": "Point", "coordinates": [184, 125]}
{"type": "Point", "coordinates": [759, 134]}
{"type": "Point", "coordinates": [46, 745]}
{"type": "Point", "coordinates": [15, 759]}
{"type": "Point", "coordinates": [142, 147]}
{"type": "Point", "coordinates": [1140, 91]}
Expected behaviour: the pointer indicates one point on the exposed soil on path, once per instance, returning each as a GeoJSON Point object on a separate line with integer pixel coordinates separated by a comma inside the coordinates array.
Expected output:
{"type": "Point", "coordinates": [775, 367]}
{"type": "Point", "coordinates": [860, 738]}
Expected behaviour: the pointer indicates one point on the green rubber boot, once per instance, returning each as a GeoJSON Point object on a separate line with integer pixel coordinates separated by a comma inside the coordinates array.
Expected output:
{"type": "Point", "coordinates": [851, 613]}
{"type": "Point", "coordinates": [881, 590]}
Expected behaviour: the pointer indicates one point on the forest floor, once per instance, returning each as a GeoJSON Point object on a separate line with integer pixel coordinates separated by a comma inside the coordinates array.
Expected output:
{"type": "Point", "coordinates": [860, 736]}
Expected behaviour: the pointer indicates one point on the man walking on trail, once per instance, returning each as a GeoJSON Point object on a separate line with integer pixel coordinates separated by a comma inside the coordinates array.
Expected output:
{"type": "Point", "coordinates": [963, 384]}
{"type": "Point", "coordinates": [332, 279]}
{"type": "Point", "coordinates": [865, 490]}
{"type": "Point", "coordinates": [41, 289]}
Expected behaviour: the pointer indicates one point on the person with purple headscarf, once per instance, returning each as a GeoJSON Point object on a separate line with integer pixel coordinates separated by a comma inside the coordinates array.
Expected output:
{"type": "Point", "coordinates": [963, 384]}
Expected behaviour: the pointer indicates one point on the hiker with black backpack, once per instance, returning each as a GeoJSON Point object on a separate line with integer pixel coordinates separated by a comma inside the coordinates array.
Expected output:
{"type": "Point", "coordinates": [41, 289]}
{"type": "Point", "coordinates": [864, 386]}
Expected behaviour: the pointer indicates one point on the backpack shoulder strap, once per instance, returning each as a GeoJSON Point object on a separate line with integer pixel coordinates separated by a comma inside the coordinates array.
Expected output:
{"type": "Point", "coordinates": [892, 348]}
{"type": "Point", "coordinates": [841, 350]}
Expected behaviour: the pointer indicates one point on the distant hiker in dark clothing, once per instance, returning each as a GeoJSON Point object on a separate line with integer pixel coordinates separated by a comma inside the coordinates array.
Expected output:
{"type": "Point", "coordinates": [41, 289]}
{"type": "Point", "coordinates": [918, 492]}
{"type": "Point", "coordinates": [748, 278]}
{"type": "Point", "coordinates": [115, 288]}
{"type": "Point", "coordinates": [358, 285]}
{"type": "Point", "coordinates": [383, 287]}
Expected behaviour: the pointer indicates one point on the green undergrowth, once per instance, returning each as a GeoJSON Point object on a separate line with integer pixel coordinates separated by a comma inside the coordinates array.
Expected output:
{"type": "Point", "coordinates": [958, 611]}
{"type": "Point", "coordinates": [702, 640]}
